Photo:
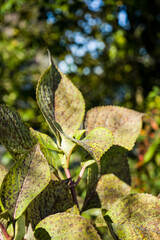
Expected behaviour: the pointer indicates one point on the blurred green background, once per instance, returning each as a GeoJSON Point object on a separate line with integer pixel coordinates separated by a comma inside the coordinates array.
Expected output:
{"type": "Point", "coordinates": [110, 50]}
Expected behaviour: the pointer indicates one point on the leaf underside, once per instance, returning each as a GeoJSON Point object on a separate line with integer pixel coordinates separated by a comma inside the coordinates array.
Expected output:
{"type": "Point", "coordinates": [125, 124]}
{"type": "Point", "coordinates": [28, 177]}
{"type": "Point", "coordinates": [14, 134]}
{"type": "Point", "coordinates": [136, 217]}
{"type": "Point", "coordinates": [67, 226]}
{"type": "Point", "coordinates": [60, 101]}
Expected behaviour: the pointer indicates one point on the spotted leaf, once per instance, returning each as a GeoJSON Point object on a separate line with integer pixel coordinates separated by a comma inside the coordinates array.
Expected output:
{"type": "Point", "coordinates": [136, 217]}
{"type": "Point", "coordinates": [28, 177]}
{"type": "Point", "coordinates": [14, 134]}
{"type": "Point", "coordinates": [67, 226]}
{"type": "Point", "coordinates": [125, 124]}
{"type": "Point", "coordinates": [3, 172]}
{"type": "Point", "coordinates": [60, 101]}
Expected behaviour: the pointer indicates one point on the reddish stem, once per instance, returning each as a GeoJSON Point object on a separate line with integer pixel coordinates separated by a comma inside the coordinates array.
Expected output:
{"type": "Point", "coordinates": [80, 175]}
{"type": "Point", "coordinates": [4, 231]}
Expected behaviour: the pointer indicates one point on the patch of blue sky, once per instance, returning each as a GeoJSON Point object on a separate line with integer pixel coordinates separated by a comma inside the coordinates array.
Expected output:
{"type": "Point", "coordinates": [94, 5]}
{"type": "Point", "coordinates": [106, 28]}
{"type": "Point", "coordinates": [123, 20]}
{"type": "Point", "coordinates": [50, 17]}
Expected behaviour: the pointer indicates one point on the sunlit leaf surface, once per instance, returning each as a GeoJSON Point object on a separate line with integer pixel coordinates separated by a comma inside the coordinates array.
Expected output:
{"type": "Point", "coordinates": [28, 177]}
{"type": "Point", "coordinates": [3, 172]}
{"type": "Point", "coordinates": [136, 217]}
{"type": "Point", "coordinates": [125, 124]}
{"type": "Point", "coordinates": [67, 226]}
{"type": "Point", "coordinates": [60, 101]}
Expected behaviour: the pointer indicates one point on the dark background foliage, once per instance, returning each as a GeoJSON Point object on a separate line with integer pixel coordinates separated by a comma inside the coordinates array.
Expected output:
{"type": "Point", "coordinates": [110, 50]}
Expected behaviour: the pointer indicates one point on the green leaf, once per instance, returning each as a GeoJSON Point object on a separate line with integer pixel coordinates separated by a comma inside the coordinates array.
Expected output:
{"type": "Point", "coordinates": [115, 161]}
{"type": "Point", "coordinates": [20, 228]}
{"type": "Point", "coordinates": [109, 189]}
{"type": "Point", "coordinates": [48, 147]}
{"type": "Point", "coordinates": [91, 199]}
{"type": "Point", "coordinates": [125, 124]}
{"type": "Point", "coordinates": [3, 172]}
{"type": "Point", "coordinates": [14, 134]}
{"type": "Point", "coordinates": [28, 177]}
{"type": "Point", "coordinates": [98, 141]}
{"type": "Point", "coordinates": [136, 217]}
{"type": "Point", "coordinates": [60, 101]}
{"type": "Point", "coordinates": [56, 197]}
{"type": "Point", "coordinates": [67, 226]}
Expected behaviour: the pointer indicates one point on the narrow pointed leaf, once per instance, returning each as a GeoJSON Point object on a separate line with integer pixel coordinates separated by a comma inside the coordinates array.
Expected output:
{"type": "Point", "coordinates": [67, 226]}
{"type": "Point", "coordinates": [56, 197]}
{"type": "Point", "coordinates": [125, 124]}
{"type": "Point", "coordinates": [14, 134]}
{"type": "Point", "coordinates": [136, 217]}
{"type": "Point", "coordinates": [3, 172]}
{"type": "Point", "coordinates": [115, 161]}
{"type": "Point", "coordinates": [28, 177]}
{"type": "Point", "coordinates": [59, 100]}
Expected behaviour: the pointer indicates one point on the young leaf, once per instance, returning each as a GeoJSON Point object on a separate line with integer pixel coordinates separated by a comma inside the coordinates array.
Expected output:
{"type": "Point", "coordinates": [20, 228]}
{"type": "Point", "coordinates": [14, 134]}
{"type": "Point", "coordinates": [67, 226]}
{"type": "Point", "coordinates": [125, 124]}
{"type": "Point", "coordinates": [28, 177]}
{"type": "Point", "coordinates": [56, 197]}
{"type": "Point", "coordinates": [3, 172]}
{"type": "Point", "coordinates": [136, 216]}
{"type": "Point", "coordinates": [60, 101]}
{"type": "Point", "coordinates": [115, 161]}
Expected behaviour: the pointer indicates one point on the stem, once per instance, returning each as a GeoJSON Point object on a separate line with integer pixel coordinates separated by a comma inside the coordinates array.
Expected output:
{"type": "Point", "coordinates": [80, 175]}
{"type": "Point", "coordinates": [4, 231]}
{"type": "Point", "coordinates": [72, 187]}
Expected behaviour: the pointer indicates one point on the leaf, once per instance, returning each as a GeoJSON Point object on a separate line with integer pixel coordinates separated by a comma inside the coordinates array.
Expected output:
{"type": "Point", "coordinates": [67, 226]}
{"type": "Point", "coordinates": [109, 189]}
{"type": "Point", "coordinates": [125, 124]}
{"type": "Point", "coordinates": [20, 228]}
{"type": "Point", "coordinates": [14, 134]}
{"type": "Point", "coordinates": [60, 101]}
{"type": "Point", "coordinates": [48, 147]}
{"type": "Point", "coordinates": [115, 161]}
{"type": "Point", "coordinates": [136, 217]}
{"type": "Point", "coordinates": [56, 197]}
{"type": "Point", "coordinates": [91, 199]}
{"type": "Point", "coordinates": [28, 177]}
{"type": "Point", "coordinates": [98, 141]}
{"type": "Point", "coordinates": [3, 172]}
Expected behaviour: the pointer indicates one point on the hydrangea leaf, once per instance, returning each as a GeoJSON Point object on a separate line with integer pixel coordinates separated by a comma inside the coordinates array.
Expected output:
{"type": "Point", "coordinates": [14, 134]}
{"type": "Point", "coordinates": [125, 124]}
{"type": "Point", "coordinates": [28, 177]}
{"type": "Point", "coordinates": [67, 226]}
{"type": "Point", "coordinates": [115, 161]}
{"type": "Point", "coordinates": [60, 101]}
{"type": "Point", "coordinates": [136, 217]}
{"type": "Point", "coordinates": [3, 172]}
{"type": "Point", "coordinates": [56, 197]}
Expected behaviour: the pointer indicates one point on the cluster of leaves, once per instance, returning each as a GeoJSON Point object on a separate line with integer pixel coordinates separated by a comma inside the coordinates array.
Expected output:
{"type": "Point", "coordinates": [34, 193]}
